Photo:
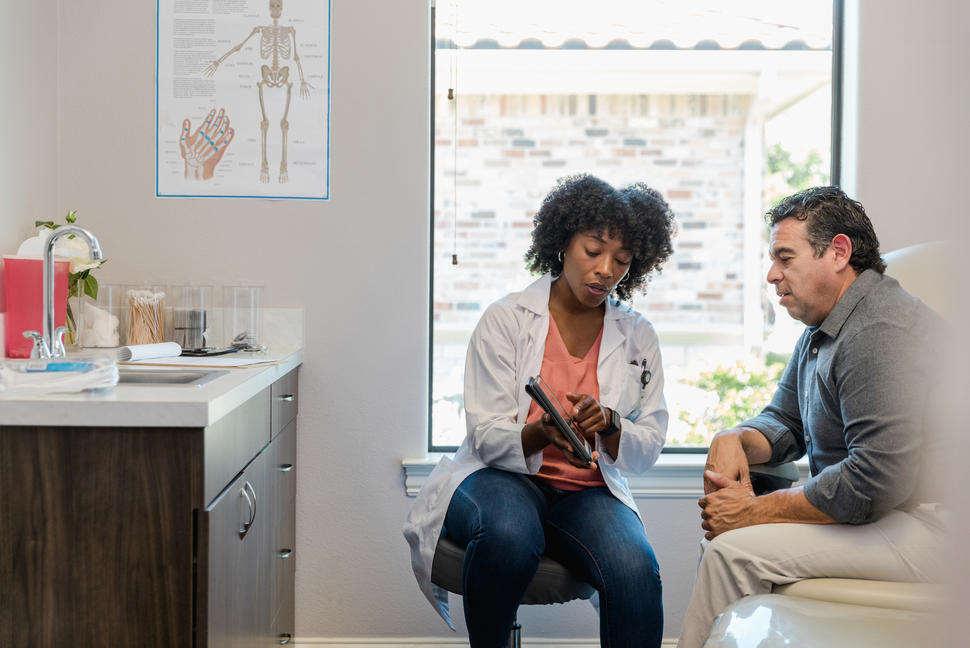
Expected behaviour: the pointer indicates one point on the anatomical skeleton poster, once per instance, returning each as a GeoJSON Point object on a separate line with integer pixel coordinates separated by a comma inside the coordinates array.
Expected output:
{"type": "Point", "coordinates": [243, 99]}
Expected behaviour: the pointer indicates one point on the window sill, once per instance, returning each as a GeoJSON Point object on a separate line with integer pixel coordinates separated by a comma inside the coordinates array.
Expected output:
{"type": "Point", "coordinates": [674, 476]}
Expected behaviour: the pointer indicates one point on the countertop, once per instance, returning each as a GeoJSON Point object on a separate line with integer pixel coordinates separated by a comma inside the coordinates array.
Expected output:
{"type": "Point", "coordinates": [140, 405]}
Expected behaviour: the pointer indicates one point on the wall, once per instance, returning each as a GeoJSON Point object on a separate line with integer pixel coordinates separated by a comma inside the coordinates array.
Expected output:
{"type": "Point", "coordinates": [912, 129]}
{"type": "Point", "coordinates": [28, 115]}
{"type": "Point", "coordinates": [363, 387]}
{"type": "Point", "coordinates": [913, 138]}
{"type": "Point", "coordinates": [358, 264]}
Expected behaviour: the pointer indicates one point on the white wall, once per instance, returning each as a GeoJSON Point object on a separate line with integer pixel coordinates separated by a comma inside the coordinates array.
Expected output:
{"type": "Point", "coordinates": [28, 117]}
{"type": "Point", "coordinates": [913, 121]}
{"type": "Point", "coordinates": [353, 575]}
{"type": "Point", "coordinates": [363, 387]}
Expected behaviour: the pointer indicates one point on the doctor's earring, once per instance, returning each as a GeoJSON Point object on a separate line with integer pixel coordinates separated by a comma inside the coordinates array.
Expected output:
{"type": "Point", "coordinates": [562, 257]}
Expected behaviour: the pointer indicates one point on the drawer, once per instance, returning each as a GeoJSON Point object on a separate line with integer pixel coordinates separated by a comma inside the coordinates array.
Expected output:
{"type": "Point", "coordinates": [285, 401]}
{"type": "Point", "coordinates": [279, 579]}
{"type": "Point", "coordinates": [285, 474]}
{"type": "Point", "coordinates": [232, 442]}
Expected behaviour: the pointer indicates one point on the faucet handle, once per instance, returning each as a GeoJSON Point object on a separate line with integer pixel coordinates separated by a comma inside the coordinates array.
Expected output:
{"type": "Point", "coordinates": [40, 349]}
{"type": "Point", "coordinates": [57, 344]}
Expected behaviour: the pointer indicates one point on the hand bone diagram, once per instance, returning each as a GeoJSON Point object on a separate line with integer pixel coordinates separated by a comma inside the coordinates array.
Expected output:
{"type": "Point", "coordinates": [203, 149]}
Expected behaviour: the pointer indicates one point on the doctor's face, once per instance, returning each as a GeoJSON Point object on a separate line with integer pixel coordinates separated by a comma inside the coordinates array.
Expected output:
{"type": "Point", "coordinates": [593, 263]}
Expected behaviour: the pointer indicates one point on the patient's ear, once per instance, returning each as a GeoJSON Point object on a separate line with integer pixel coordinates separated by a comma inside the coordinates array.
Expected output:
{"type": "Point", "coordinates": [841, 247]}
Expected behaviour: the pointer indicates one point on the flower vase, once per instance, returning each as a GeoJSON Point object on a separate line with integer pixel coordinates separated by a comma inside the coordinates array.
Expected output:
{"type": "Point", "coordinates": [75, 323]}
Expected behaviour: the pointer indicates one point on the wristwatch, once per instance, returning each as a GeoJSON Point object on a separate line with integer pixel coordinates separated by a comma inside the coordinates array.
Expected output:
{"type": "Point", "coordinates": [613, 423]}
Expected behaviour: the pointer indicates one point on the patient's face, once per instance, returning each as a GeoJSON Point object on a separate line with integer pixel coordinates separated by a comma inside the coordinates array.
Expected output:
{"type": "Point", "coordinates": [808, 285]}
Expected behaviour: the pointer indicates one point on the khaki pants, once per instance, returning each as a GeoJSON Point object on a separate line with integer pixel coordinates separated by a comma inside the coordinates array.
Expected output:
{"type": "Point", "coordinates": [902, 546]}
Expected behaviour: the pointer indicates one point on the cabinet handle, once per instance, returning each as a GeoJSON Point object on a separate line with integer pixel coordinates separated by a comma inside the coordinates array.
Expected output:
{"type": "Point", "coordinates": [285, 467]}
{"type": "Point", "coordinates": [253, 491]}
{"type": "Point", "coordinates": [251, 502]}
{"type": "Point", "coordinates": [284, 553]}
{"type": "Point", "coordinates": [286, 397]}
{"type": "Point", "coordinates": [285, 638]}
{"type": "Point", "coordinates": [244, 529]}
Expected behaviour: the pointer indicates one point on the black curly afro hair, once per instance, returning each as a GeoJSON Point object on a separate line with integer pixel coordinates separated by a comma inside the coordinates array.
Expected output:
{"type": "Point", "coordinates": [636, 214]}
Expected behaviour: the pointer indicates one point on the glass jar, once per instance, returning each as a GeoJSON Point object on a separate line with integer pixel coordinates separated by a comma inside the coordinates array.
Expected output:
{"type": "Point", "coordinates": [146, 315]}
{"type": "Point", "coordinates": [100, 322]}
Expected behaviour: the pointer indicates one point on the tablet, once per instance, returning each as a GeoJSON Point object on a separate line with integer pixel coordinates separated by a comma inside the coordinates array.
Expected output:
{"type": "Point", "coordinates": [541, 394]}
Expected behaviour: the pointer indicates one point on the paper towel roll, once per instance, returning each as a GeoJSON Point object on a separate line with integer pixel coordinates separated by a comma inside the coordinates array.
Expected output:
{"type": "Point", "coordinates": [149, 351]}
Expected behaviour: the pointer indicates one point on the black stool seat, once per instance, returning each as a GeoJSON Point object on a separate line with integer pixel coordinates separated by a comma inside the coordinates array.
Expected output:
{"type": "Point", "coordinates": [552, 583]}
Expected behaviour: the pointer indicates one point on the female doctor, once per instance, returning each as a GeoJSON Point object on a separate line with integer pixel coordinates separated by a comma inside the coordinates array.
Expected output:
{"type": "Point", "coordinates": [515, 488]}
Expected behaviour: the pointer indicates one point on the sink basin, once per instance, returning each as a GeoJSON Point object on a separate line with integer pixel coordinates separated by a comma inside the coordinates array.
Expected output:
{"type": "Point", "coordinates": [171, 377]}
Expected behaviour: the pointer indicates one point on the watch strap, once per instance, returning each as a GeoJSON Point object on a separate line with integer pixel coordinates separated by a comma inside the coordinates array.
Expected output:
{"type": "Point", "coordinates": [614, 423]}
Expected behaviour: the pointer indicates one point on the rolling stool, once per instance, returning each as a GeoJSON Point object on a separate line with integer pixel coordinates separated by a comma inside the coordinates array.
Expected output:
{"type": "Point", "coordinates": [552, 583]}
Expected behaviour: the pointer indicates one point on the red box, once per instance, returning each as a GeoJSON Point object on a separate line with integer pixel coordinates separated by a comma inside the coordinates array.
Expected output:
{"type": "Point", "coordinates": [24, 283]}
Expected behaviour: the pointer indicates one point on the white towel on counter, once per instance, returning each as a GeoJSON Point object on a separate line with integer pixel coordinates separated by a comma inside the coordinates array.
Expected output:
{"type": "Point", "coordinates": [135, 352]}
{"type": "Point", "coordinates": [58, 375]}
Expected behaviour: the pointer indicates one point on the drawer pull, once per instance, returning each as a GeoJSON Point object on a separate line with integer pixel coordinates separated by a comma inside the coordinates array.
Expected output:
{"type": "Point", "coordinates": [285, 638]}
{"type": "Point", "coordinates": [285, 467]}
{"type": "Point", "coordinates": [285, 553]}
{"type": "Point", "coordinates": [251, 503]}
{"type": "Point", "coordinates": [286, 397]}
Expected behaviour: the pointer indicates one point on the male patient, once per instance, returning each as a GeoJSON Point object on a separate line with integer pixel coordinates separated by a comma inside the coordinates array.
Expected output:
{"type": "Point", "coordinates": [855, 398]}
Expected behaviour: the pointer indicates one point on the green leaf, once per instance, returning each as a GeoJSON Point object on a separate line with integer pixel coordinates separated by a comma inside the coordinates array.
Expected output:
{"type": "Point", "coordinates": [91, 286]}
{"type": "Point", "coordinates": [47, 224]}
{"type": "Point", "coordinates": [72, 284]}
{"type": "Point", "coordinates": [71, 216]}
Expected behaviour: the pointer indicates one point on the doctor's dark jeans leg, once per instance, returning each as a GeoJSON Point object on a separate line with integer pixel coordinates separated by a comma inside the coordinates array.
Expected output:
{"type": "Point", "coordinates": [497, 515]}
{"type": "Point", "coordinates": [601, 538]}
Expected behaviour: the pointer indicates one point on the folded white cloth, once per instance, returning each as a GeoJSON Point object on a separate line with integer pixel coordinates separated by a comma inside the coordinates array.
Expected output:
{"type": "Point", "coordinates": [149, 351]}
{"type": "Point", "coordinates": [60, 375]}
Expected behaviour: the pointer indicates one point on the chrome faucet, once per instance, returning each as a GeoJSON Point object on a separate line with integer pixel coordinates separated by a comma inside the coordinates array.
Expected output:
{"type": "Point", "coordinates": [51, 343]}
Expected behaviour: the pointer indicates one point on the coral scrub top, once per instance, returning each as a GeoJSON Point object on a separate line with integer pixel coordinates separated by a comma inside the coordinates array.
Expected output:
{"type": "Point", "coordinates": [565, 373]}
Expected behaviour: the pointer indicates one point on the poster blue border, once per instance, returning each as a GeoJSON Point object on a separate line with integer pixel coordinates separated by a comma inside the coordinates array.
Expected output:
{"type": "Point", "coordinates": [326, 195]}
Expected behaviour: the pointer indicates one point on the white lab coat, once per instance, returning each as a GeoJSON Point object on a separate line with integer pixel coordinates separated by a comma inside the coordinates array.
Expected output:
{"type": "Point", "coordinates": [505, 350]}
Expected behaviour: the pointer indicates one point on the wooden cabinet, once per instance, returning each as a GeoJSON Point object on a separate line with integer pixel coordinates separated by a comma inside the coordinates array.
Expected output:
{"type": "Point", "coordinates": [151, 536]}
{"type": "Point", "coordinates": [229, 536]}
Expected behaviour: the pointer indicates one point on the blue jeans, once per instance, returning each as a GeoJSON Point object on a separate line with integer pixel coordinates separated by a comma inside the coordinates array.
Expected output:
{"type": "Point", "coordinates": [507, 520]}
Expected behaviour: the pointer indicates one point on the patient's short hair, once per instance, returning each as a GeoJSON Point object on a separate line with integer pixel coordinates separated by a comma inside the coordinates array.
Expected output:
{"type": "Point", "coordinates": [828, 212]}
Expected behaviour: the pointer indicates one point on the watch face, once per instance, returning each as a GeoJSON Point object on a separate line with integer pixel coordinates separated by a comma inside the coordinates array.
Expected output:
{"type": "Point", "coordinates": [614, 425]}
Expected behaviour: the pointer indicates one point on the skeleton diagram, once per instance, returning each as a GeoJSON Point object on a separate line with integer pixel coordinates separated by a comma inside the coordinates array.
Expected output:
{"type": "Point", "coordinates": [275, 44]}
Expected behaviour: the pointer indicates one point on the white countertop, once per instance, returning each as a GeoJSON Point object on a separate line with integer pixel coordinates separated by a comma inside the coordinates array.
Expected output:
{"type": "Point", "coordinates": [141, 405]}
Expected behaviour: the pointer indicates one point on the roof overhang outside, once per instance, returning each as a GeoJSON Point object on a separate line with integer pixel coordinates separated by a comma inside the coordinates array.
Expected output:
{"type": "Point", "coordinates": [478, 72]}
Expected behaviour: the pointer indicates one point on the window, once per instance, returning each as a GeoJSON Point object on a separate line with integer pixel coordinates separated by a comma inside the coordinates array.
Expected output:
{"type": "Point", "coordinates": [723, 106]}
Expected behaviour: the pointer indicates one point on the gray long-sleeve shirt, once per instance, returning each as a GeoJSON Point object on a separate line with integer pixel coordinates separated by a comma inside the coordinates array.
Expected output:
{"type": "Point", "coordinates": [855, 396]}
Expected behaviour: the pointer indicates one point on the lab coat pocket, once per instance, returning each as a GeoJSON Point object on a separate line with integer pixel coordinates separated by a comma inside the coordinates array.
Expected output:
{"type": "Point", "coordinates": [628, 403]}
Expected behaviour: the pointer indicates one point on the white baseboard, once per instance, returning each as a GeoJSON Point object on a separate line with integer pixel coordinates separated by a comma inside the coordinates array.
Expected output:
{"type": "Point", "coordinates": [443, 642]}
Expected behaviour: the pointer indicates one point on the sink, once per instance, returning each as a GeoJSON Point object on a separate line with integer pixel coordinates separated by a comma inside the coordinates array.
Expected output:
{"type": "Point", "coordinates": [172, 377]}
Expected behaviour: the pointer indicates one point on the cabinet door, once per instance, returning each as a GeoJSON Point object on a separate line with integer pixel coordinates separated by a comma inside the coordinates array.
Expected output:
{"type": "Point", "coordinates": [233, 608]}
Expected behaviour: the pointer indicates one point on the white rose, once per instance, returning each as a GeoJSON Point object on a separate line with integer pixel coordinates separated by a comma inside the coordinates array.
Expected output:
{"type": "Point", "coordinates": [77, 251]}
{"type": "Point", "coordinates": [73, 249]}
